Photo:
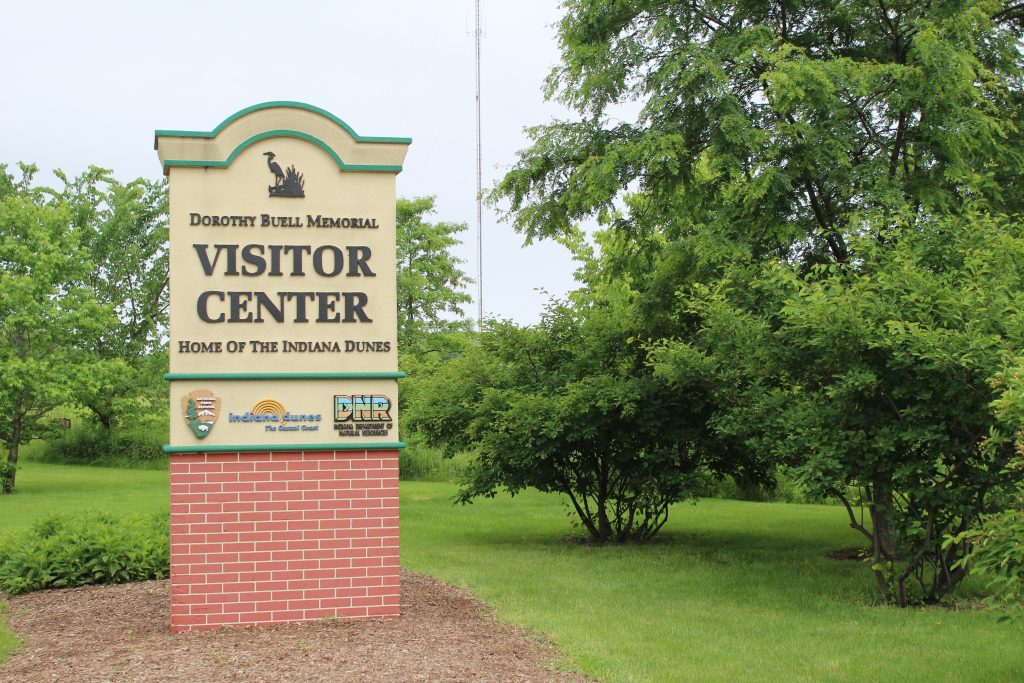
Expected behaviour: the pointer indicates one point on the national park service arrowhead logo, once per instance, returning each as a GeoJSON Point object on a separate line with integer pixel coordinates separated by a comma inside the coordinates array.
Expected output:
{"type": "Point", "coordinates": [201, 410]}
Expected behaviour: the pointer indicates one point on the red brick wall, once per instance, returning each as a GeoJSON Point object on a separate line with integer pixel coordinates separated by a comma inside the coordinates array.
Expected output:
{"type": "Point", "coordinates": [260, 538]}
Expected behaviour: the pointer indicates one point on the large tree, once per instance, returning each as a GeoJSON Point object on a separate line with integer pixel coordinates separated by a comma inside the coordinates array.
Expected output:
{"type": "Point", "coordinates": [775, 124]}
{"type": "Point", "coordinates": [431, 283]}
{"type": "Point", "coordinates": [44, 310]}
{"type": "Point", "coordinates": [123, 229]}
{"type": "Point", "coordinates": [809, 160]}
{"type": "Point", "coordinates": [875, 383]}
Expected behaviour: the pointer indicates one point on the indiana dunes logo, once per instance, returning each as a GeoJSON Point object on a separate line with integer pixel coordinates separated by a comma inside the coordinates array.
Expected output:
{"type": "Point", "coordinates": [201, 410]}
{"type": "Point", "coordinates": [272, 417]}
{"type": "Point", "coordinates": [269, 407]}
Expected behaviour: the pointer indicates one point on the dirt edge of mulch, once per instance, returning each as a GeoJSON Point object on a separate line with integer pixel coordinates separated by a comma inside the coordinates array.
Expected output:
{"type": "Point", "coordinates": [120, 633]}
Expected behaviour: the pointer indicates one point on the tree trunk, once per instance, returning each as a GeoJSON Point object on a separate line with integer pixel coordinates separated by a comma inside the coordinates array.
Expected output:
{"type": "Point", "coordinates": [881, 516]}
{"type": "Point", "coordinates": [604, 525]}
{"type": "Point", "coordinates": [103, 411]}
{"type": "Point", "coordinates": [106, 419]}
{"type": "Point", "coordinates": [882, 537]}
{"type": "Point", "coordinates": [12, 449]}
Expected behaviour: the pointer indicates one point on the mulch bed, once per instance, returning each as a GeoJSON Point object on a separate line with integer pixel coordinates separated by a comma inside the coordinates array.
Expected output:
{"type": "Point", "coordinates": [120, 633]}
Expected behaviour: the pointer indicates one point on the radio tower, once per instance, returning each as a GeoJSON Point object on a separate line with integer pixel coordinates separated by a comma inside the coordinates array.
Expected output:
{"type": "Point", "coordinates": [477, 33]}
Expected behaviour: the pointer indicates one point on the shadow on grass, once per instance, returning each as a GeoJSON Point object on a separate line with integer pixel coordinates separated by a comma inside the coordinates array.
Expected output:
{"type": "Point", "coordinates": [734, 526]}
{"type": "Point", "coordinates": [772, 554]}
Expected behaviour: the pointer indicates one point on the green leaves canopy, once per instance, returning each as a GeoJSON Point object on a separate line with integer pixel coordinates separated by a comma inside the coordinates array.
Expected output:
{"type": "Point", "coordinates": [123, 232]}
{"type": "Point", "coordinates": [44, 310]}
{"type": "Point", "coordinates": [83, 296]}
{"type": "Point", "coordinates": [875, 381]}
{"type": "Point", "coordinates": [569, 405]}
{"type": "Point", "coordinates": [430, 280]}
{"type": "Point", "coordinates": [774, 125]}
{"type": "Point", "coordinates": [812, 200]}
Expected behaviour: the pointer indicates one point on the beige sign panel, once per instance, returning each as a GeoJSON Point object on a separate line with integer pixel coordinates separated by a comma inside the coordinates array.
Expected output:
{"type": "Point", "coordinates": [282, 244]}
{"type": "Point", "coordinates": [282, 414]}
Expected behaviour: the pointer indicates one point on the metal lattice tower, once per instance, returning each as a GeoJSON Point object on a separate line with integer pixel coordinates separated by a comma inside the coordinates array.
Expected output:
{"type": "Point", "coordinates": [477, 34]}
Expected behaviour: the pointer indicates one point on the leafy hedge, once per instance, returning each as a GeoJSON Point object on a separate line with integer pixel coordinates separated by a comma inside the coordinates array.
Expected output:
{"type": "Point", "coordinates": [80, 549]}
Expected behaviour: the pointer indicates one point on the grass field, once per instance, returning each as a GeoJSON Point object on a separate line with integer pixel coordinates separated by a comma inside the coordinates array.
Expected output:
{"type": "Point", "coordinates": [731, 592]}
{"type": "Point", "coordinates": [44, 489]}
{"type": "Point", "coordinates": [8, 641]}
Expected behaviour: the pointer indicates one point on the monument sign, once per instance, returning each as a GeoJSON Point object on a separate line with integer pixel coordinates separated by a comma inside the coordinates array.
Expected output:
{"type": "Point", "coordinates": [283, 369]}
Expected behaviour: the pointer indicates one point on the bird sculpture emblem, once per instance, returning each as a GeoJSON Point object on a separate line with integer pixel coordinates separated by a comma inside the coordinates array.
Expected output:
{"type": "Point", "coordinates": [288, 183]}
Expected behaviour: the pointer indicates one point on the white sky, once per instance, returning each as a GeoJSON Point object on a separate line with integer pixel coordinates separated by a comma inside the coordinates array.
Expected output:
{"type": "Point", "coordinates": [88, 83]}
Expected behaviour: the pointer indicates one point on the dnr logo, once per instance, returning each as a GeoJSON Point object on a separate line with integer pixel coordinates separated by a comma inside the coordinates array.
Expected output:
{"type": "Point", "coordinates": [362, 408]}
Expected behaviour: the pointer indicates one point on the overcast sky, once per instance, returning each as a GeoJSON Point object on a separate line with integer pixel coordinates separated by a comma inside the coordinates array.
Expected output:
{"type": "Point", "coordinates": [89, 82]}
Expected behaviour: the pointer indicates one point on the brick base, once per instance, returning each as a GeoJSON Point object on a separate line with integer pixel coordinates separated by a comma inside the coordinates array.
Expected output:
{"type": "Point", "coordinates": [263, 538]}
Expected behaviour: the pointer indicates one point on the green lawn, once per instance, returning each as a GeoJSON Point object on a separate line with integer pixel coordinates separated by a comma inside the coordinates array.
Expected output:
{"type": "Point", "coordinates": [44, 489]}
{"type": "Point", "coordinates": [8, 641]}
{"type": "Point", "coordinates": [731, 592]}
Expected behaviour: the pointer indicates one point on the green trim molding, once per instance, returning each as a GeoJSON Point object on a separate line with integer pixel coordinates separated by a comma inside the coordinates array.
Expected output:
{"type": "Point", "coordinates": [199, 163]}
{"type": "Point", "coordinates": [266, 448]}
{"type": "Point", "coordinates": [283, 104]}
{"type": "Point", "coordinates": [282, 375]}
{"type": "Point", "coordinates": [214, 163]}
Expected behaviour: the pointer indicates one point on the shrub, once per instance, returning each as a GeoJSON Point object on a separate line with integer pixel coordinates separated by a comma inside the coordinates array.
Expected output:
{"type": "Point", "coordinates": [996, 545]}
{"type": "Point", "coordinates": [782, 487]}
{"type": "Point", "coordinates": [137, 448]}
{"type": "Point", "coordinates": [419, 462]}
{"type": "Point", "coordinates": [91, 548]}
{"type": "Point", "coordinates": [570, 405]}
{"type": "Point", "coordinates": [997, 555]}
{"type": "Point", "coordinates": [7, 477]}
{"type": "Point", "coordinates": [997, 558]}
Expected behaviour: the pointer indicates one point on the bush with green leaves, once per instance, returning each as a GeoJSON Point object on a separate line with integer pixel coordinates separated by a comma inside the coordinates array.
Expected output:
{"type": "Point", "coordinates": [569, 405]}
{"type": "Point", "coordinates": [7, 470]}
{"type": "Point", "coordinates": [89, 548]}
{"type": "Point", "coordinates": [778, 486]}
{"type": "Point", "coordinates": [996, 543]}
{"type": "Point", "coordinates": [875, 381]}
{"type": "Point", "coordinates": [419, 462]}
{"type": "Point", "coordinates": [997, 556]}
